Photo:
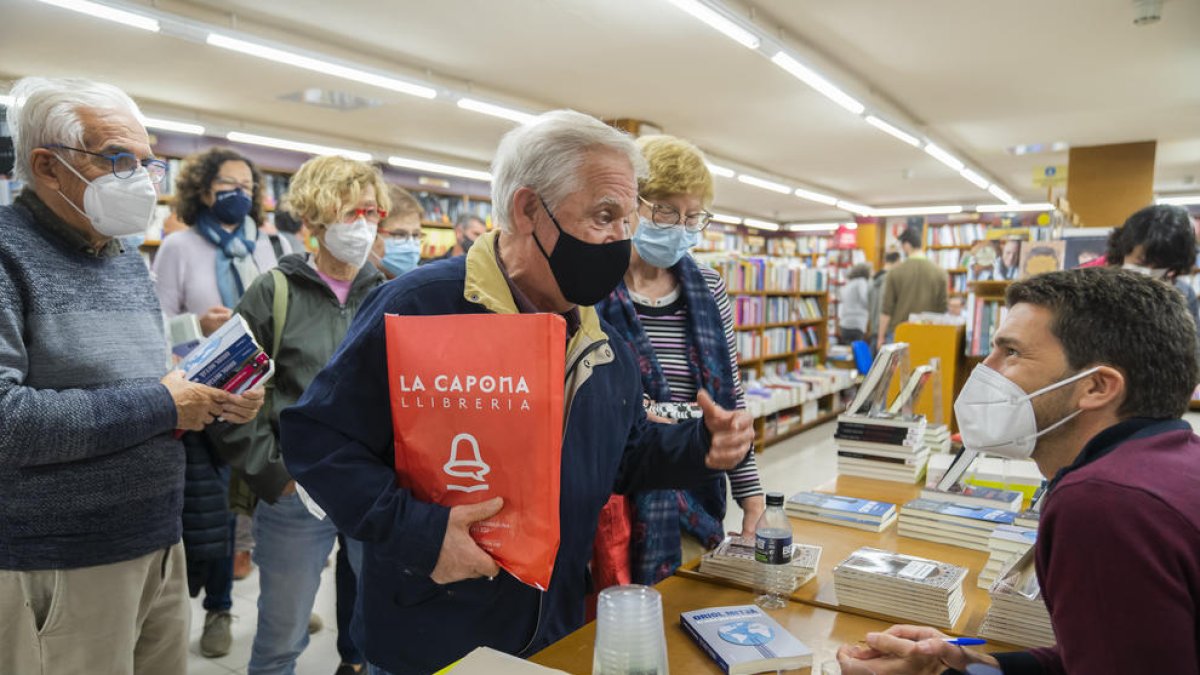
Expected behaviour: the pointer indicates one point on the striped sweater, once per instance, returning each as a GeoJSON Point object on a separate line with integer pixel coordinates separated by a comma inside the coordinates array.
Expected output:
{"type": "Point", "coordinates": [89, 471]}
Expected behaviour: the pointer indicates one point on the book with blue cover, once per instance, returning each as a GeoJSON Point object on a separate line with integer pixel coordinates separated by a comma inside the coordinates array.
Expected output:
{"type": "Point", "coordinates": [950, 511]}
{"type": "Point", "coordinates": [861, 514]}
{"type": "Point", "coordinates": [744, 639]}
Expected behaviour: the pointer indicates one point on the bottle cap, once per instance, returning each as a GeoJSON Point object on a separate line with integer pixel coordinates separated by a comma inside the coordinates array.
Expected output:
{"type": "Point", "coordinates": [774, 499]}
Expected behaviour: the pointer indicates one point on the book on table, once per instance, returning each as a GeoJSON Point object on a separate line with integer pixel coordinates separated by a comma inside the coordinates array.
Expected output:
{"type": "Point", "coordinates": [733, 559]}
{"type": "Point", "coordinates": [1018, 613]}
{"type": "Point", "coordinates": [1006, 545]}
{"type": "Point", "coordinates": [743, 639]}
{"type": "Point", "coordinates": [901, 586]}
{"type": "Point", "coordinates": [951, 523]}
{"type": "Point", "coordinates": [863, 514]}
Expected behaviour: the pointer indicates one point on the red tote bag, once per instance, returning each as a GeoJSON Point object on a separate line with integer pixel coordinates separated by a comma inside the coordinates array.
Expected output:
{"type": "Point", "coordinates": [477, 410]}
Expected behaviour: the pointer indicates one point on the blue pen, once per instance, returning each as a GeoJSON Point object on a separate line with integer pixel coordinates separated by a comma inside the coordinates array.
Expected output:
{"type": "Point", "coordinates": [966, 641]}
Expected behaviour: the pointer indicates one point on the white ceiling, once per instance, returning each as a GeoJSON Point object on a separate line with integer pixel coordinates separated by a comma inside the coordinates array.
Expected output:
{"type": "Point", "coordinates": [976, 76]}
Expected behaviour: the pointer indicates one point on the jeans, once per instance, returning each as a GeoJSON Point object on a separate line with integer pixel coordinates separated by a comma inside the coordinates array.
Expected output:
{"type": "Point", "coordinates": [346, 575]}
{"type": "Point", "coordinates": [291, 547]}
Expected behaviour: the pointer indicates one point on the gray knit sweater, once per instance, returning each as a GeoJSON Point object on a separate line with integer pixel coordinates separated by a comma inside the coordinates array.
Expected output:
{"type": "Point", "coordinates": [89, 471]}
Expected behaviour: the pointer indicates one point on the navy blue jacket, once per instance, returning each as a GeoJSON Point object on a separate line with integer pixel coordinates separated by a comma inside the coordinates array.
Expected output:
{"type": "Point", "coordinates": [337, 443]}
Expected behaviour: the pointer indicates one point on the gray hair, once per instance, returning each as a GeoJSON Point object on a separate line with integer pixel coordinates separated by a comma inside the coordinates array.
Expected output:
{"type": "Point", "coordinates": [46, 111]}
{"type": "Point", "coordinates": [545, 155]}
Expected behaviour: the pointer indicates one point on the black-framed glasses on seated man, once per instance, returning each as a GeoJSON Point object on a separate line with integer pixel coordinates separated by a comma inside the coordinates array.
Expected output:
{"type": "Point", "coordinates": [402, 237]}
{"type": "Point", "coordinates": [666, 216]}
{"type": "Point", "coordinates": [124, 164]}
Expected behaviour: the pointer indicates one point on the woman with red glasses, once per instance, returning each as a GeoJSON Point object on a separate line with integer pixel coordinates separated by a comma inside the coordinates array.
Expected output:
{"type": "Point", "coordinates": [299, 313]}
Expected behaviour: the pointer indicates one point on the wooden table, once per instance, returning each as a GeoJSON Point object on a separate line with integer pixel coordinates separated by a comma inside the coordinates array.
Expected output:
{"type": "Point", "coordinates": [837, 543]}
{"type": "Point", "coordinates": [823, 630]}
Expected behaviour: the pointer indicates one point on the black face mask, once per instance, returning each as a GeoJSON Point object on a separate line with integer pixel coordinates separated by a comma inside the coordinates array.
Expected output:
{"type": "Point", "coordinates": [466, 244]}
{"type": "Point", "coordinates": [585, 273]}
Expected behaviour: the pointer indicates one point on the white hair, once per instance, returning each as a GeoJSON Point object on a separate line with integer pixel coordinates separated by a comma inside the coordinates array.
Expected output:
{"type": "Point", "coordinates": [46, 111]}
{"type": "Point", "coordinates": [546, 154]}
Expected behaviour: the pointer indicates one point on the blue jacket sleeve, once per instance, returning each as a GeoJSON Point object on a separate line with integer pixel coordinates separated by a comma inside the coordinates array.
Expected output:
{"type": "Point", "coordinates": [337, 443]}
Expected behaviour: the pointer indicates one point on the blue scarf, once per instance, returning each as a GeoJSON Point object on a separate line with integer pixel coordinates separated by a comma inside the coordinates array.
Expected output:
{"type": "Point", "coordinates": [235, 266]}
{"type": "Point", "coordinates": [660, 514]}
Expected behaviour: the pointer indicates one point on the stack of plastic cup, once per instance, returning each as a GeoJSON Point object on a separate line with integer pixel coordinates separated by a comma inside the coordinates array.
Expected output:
{"type": "Point", "coordinates": [629, 632]}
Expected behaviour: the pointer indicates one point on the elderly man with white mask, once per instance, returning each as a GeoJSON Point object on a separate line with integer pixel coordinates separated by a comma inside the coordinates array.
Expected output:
{"type": "Point", "coordinates": [91, 565]}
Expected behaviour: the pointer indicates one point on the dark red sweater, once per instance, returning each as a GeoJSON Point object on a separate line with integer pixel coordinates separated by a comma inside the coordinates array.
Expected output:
{"type": "Point", "coordinates": [1118, 556]}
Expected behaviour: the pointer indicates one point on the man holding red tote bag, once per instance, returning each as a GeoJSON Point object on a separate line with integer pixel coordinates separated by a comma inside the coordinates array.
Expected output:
{"type": "Point", "coordinates": [564, 190]}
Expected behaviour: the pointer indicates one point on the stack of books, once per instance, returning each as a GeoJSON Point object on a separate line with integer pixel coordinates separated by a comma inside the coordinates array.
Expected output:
{"type": "Point", "coordinates": [229, 359]}
{"type": "Point", "coordinates": [1028, 518]}
{"type": "Point", "coordinates": [861, 514]}
{"type": "Point", "coordinates": [1018, 614]}
{"type": "Point", "coordinates": [1006, 545]}
{"type": "Point", "coordinates": [995, 498]}
{"type": "Point", "coordinates": [950, 523]}
{"type": "Point", "coordinates": [901, 586]}
{"type": "Point", "coordinates": [734, 560]}
{"type": "Point", "coordinates": [882, 448]}
{"type": "Point", "coordinates": [937, 437]}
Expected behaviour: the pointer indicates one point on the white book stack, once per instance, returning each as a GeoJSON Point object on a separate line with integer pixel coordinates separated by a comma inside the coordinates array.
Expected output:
{"type": "Point", "coordinates": [937, 438]}
{"type": "Point", "coordinates": [1006, 545]}
{"type": "Point", "coordinates": [881, 448]}
{"type": "Point", "coordinates": [950, 523]}
{"type": "Point", "coordinates": [734, 560]}
{"type": "Point", "coordinates": [1018, 614]}
{"type": "Point", "coordinates": [901, 586]}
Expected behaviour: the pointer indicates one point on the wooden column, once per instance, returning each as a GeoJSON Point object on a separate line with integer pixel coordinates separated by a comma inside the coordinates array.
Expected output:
{"type": "Point", "coordinates": [1107, 183]}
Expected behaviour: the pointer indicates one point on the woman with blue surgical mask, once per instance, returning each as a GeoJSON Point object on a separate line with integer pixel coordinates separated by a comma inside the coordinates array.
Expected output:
{"type": "Point", "coordinates": [675, 315]}
{"type": "Point", "coordinates": [397, 248]}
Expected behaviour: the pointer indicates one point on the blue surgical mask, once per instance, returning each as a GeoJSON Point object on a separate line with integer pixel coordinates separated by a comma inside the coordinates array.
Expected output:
{"type": "Point", "coordinates": [663, 246]}
{"type": "Point", "coordinates": [231, 206]}
{"type": "Point", "coordinates": [400, 257]}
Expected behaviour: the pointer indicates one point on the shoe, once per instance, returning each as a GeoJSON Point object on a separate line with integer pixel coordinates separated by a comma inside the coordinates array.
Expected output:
{"type": "Point", "coordinates": [215, 641]}
{"type": "Point", "coordinates": [315, 623]}
{"type": "Point", "coordinates": [349, 669]}
{"type": "Point", "coordinates": [241, 565]}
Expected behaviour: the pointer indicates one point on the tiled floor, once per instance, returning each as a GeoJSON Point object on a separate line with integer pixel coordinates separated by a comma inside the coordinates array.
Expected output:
{"type": "Point", "coordinates": [800, 463]}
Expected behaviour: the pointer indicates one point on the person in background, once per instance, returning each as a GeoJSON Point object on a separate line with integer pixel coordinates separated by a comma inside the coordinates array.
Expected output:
{"type": "Point", "coordinates": [565, 194]}
{"type": "Point", "coordinates": [203, 271]}
{"type": "Point", "coordinates": [890, 260]}
{"type": "Point", "coordinates": [675, 316]}
{"type": "Point", "coordinates": [1158, 241]}
{"type": "Point", "coordinates": [397, 250]}
{"type": "Point", "coordinates": [1008, 265]}
{"type": "Point", "coordinates": [854, 304]}
{"type": "Point", "coordinates": [1091, 374]}
{"type": "Point", "coordinates": [467, 229]}
{"type": "Point", "coordinates": [955, 306]}
{"type": "Point", "coordinates": [92, 575]}
{"type": "Point", "coordinates": [915, 285]}
{"type": "Point", "coordinates": [290, 229]}
{"type": "Point", "coordinates": [341, 202]}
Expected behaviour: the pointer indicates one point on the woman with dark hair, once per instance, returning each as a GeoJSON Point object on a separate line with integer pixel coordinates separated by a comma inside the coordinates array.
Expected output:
{"type": "Point", "coordinates": [204, 270]}
{"type": "Point", "coordinates": [1159, 241]}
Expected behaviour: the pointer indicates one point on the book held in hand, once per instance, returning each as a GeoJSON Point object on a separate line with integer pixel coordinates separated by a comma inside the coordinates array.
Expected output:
{"type": "Point", "coordinates": [743, 639]}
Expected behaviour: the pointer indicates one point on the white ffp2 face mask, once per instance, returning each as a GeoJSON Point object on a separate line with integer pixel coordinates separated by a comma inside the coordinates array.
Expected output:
{"type": "Point", "coordinates": [996, 416]}
{"type": "Point", "coordinates": [1152, 272]}
{"type": "Point", "coordinates": [117, 207]}
{"type": "Point", "coordinates": [351, 242]}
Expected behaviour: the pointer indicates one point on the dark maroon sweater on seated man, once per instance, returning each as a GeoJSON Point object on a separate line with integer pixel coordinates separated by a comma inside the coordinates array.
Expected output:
{"type": "Point", "coordinates": [1118, 556]}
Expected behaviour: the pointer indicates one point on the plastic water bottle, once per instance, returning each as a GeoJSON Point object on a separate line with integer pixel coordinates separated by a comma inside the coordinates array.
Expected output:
{"type": "Point", "coordinates": [773, 552]}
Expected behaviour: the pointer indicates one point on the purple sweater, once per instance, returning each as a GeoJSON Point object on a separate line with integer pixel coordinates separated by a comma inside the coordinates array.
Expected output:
{"type": "Point", "coordinates": [1118, 556]}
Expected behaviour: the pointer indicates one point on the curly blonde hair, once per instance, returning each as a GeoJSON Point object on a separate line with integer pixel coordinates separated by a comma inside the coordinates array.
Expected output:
{"type": "Point", "coordinates": [676, 168]}
{"type": "Point", "coordinates": [325, 187]}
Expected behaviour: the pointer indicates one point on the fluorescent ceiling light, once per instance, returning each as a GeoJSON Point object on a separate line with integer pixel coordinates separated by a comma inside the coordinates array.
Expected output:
{"type": "Point", "coordinates": [815, 197]}
{"type": "Point", "coordinates": [893, 131]}
{"type": "Point", "coordinates": [727, 219]}
{"type": "Point", "coordinates": [317, 65]}
{"type": "Point", "coordinates": [1013, 208]}
{"type": "Point", "coordinates": [918, 211]}
{"type": "Point", "coordinates": [822, 85]}
{"type": "Point", "coordinates": [1032, 148]}
{"type": "Point", "coordinates": [718, 170]}
{"type": "Point", "coordinates": [496, 110]}
{"type": "Point", "coordinates": [716, 20]}
{"type": "Point", "coordinates": [107, 13]}
{"type": "Point", "coordinates": [764, 184]}
{"type": "Point", "coordinates": [975, 179]}
{"type": "Point", "coordinates": [856, 209]}
{"type": "Point", "coordinates": [944, 157]}
{"type": "Point", "coordinates": [1179, 200]}
{"type": "Point", "coordinates": [296, 146]}
{"type": "Point", "coordinates": [999, 193]}
{"type": "Point", "coordinates": [172, 125]}
{"type": "Point", "coordinates": [761, 224]}
{"type": "Point", "coordinates": [812, 227]}
{"type": "Point", "coordinates": [434, 167]}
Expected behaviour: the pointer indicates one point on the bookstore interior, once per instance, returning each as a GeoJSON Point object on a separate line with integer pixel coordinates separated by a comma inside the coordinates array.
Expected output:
{"type": "Point", "coordinates": [850, 148]}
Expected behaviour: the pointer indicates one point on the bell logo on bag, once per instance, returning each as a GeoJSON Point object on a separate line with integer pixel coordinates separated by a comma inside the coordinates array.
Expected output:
{"type": "Point", "coordinates": [478, 414]}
